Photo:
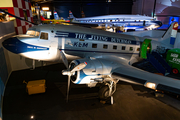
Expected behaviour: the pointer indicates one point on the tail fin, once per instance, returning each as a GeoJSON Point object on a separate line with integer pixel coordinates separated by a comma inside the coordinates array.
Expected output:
{"type": "Point", "coordinates": [42, 18]}
{"type": "Point", "coordinates": [171, 33]}
{"type": "Point", "coordinates": [82, 14]}
{"type": "Point", "coordinates": [71, 16]}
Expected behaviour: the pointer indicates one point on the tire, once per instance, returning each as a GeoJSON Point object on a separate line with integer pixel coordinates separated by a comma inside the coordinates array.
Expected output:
{"type": "Point", "coordinates": [175, 71]}
{"type": "Point", "coordinates": [104, 92]}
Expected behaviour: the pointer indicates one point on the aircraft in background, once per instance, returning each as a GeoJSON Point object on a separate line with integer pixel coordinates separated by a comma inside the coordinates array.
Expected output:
{"type": "Point", "coordinates": [96, 56]}
{"type": "Point", "coordinates": [53, 21]}
{"type": "Point", "coordinates": [128, 22]}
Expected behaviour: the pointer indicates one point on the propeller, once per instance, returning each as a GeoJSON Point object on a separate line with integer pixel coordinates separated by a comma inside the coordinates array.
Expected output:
{"type": "Point", "coordinates": [70, 72]}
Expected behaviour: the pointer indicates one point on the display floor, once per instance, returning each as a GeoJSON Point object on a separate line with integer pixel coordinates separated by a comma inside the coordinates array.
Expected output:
{"type": "Point", "coordinates": [131, 102]}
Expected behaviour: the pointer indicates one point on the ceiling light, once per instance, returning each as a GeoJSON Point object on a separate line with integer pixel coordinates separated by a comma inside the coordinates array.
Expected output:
{"type": "Point", "coordinates": [45, 8]}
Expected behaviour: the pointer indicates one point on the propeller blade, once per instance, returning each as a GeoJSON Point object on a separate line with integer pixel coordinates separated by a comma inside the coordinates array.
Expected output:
{"type": "Point", "coordinates": [79, 67]}
{"type": "Point", "coordinates": [69, 77]}
{"type": "Point", "coordinates": [64, 59]}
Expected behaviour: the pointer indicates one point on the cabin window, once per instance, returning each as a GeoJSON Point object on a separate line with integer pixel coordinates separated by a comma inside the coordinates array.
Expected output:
{"type": "Point", "coordinates": [131, 49]}
{"type": "Point", "coordinates": [44, 36]}
{"type": "Point", "coordinates": [114, 47]}
{"type": "Point", "coordinates": [138, 49]}
{"type": "Point", "coordinates": [105, 46]}
{"type": "Point", "coordinates": [123, 47]}
{"type": "Point", "coordinates": [94, 45]}
{"type": "Point", "coordinates": [81, 39]}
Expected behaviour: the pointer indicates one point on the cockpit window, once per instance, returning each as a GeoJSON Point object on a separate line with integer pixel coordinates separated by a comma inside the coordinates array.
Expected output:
{"type": "Point", "coordinates": [32, 32]}
{"type": "Point", "coordinates": [37, 33]}
{"type": "Point", "coordinates": [44, 36]}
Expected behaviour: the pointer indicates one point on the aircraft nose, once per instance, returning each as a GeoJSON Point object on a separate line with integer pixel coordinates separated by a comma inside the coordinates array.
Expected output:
{"type": "Point", "coordinates": [11, 44]}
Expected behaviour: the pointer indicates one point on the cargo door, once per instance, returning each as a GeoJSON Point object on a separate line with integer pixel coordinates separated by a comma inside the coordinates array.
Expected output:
{"type": "Point", "coordinates": [53, 48]}
{"type": "Point", "coordinates": [145, 48]}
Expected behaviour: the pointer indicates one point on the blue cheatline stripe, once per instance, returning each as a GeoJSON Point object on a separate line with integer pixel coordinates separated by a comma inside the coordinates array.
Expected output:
{"type": "Point", "coordinates": [93, 37]}
{"type": "Point", "coordinates": [172, 40]}
{"type": "Point", "coordinates": [82, 75]}
{"type": "Point", "coordinates": [16, 46]}
{"type": "Point", "coordinates": [96, 51]}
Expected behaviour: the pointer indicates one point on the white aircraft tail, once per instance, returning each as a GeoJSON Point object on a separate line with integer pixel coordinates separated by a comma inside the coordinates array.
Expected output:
{"type": "Point", "coordinates": [170, 35]}
{"type": "Point", "coordinates": [71, 16]}
{"type": "Point", "coordinates": [82, 14]}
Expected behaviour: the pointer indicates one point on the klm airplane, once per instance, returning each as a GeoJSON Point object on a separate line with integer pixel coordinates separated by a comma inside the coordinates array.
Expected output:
{"type": "Point", "coordinates": [96, 56]}
{"type": "Point", "coordinates": [129, 22]}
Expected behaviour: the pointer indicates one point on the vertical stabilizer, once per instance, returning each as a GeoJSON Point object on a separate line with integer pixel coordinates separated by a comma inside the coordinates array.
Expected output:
{"type": "Point", "coordinates": [42, 18]}
{"type": "Point", "coordinates": [71, 16]}
{"type": "Point", "coordinates": [171, 33]}
{"type": "Point", "coordinates": [82, 14]}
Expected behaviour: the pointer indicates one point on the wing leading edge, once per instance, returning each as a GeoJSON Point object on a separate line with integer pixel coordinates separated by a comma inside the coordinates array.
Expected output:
{"type": "Point", "coordinates": [134, 75]}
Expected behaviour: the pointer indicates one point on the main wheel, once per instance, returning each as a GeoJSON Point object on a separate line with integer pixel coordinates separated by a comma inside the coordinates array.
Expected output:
{"type": "Point", "coordinates": [104, 92]}
{"type": "Point", "coordinates": [175, 71]}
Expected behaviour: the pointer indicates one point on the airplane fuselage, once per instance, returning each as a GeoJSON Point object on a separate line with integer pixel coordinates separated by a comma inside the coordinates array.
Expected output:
{"type": "Point", "coordinates": [46, 41]}
{"type": "Point", "coordinates": [130, 21]}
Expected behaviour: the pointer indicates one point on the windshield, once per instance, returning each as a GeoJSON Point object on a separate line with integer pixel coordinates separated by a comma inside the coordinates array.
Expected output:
{"type": "Point", "coordinates": [33, 33]}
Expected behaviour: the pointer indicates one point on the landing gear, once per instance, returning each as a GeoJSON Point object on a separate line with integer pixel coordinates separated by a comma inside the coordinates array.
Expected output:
{"type": "Point", "coordinates": [107, 90]}
{"type": "Point", "coordinates": [33, 64]}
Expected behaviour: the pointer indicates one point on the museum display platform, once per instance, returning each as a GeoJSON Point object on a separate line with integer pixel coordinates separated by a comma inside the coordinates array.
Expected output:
{"type": "Point", "coordinates": [131, 102]}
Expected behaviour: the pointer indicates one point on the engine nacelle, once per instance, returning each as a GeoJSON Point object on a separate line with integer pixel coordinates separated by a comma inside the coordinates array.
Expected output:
{"type": "Point", "coordinates": [94, 71]}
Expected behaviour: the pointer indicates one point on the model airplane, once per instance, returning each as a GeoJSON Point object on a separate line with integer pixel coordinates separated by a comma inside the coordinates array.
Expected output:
{"type": "Point", "coordinates": [53, 21]}
{"type": "Point", "coordinates": [97, 56]}
{"type": "Point", "coordinates": [129, 22]}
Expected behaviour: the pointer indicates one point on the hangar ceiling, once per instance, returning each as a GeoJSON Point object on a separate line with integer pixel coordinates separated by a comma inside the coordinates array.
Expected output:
{"type": "Point", "coordinates": [82, 1]}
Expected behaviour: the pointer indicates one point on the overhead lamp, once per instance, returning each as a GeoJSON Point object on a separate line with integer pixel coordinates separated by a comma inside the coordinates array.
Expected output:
{"type": "Point", "coordinates": [45, 8]}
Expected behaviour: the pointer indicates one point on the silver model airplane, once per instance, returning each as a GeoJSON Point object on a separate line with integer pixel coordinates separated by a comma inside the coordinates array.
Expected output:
{"type": "Point", "coordinates": [97, 56]}
{"type": "Point", "coordinates": [111, 22]}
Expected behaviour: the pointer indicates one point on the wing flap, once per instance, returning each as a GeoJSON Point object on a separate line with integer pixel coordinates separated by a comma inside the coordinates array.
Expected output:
{"type": "Point", "coordinates": [134, 75]}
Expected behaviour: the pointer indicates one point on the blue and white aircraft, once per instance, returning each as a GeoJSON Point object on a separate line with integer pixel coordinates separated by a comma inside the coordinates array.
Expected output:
{"type": "Point", "coordinates": [128, 22]}
{"type": "Point", "coordinates": [96, 56]}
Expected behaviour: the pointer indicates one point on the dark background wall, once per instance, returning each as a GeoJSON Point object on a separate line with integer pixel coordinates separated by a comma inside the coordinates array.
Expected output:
{"type": "Point", "coordinates": [93, 8]}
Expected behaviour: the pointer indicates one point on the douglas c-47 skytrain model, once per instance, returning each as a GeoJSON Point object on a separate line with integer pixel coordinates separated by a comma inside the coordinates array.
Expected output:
{"type": "Point", "coordinates": [96, 56]}
{"type": "Point", "coordinates": [115, 23]}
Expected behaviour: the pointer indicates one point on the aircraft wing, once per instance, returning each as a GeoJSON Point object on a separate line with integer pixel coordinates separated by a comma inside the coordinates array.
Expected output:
{"type": "Point", "coordinates": [89, 25]}
{"type": "Point", "coordinates": [134, 75]}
